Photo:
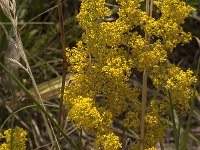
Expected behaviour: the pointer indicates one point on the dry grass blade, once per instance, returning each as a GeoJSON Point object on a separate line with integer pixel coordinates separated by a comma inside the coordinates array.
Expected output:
{"type": "Point", "coordinates": [18, 63]}
{"type": "Point", "coordinates": [198, 40]}
{"type": "Point", "coordinates": [6, 8]}
{"type": "Point", "coordinates": [16, 117]}
{"type": "Point", "coordinates": [52, 8]}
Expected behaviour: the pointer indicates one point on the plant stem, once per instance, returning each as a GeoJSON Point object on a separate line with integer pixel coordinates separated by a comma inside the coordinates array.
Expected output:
{"type": "Point", "coordinates": [149, 9]}
{"type": "Point", "coordinates": [144, 101]}
{"type": "Point", "coordinates": [161, 145]}
{"type": "Point", "coordinates": [62, 38]}
{"type": "Point", "coordinates": [173, 121]}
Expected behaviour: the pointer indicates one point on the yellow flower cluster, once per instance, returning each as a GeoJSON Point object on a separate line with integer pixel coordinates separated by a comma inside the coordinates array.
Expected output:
{"type": "Point", "coordinates": [88, 117]}
{"type": "Point", "coordinates": [108, 142]}
{"type": "Point", "coordinates": [156, 124]}
{"type": "Point", "coordinates": [107, 55]}
{"type": "Point", "coordinates": [155, 129]}
{"type": "Point", "coordinates": [130, 13]}
{"type": "Point", "coordinates": [152, 148]}
{"type": "Point", "coordinates": [177, 82]}
{"type": "Point", "coordinates": [117, 67]}
{"type": "Point", "coordinates": [131, 119]}
{"type": "Point", "coordinates": [91, 11]}
{"type": "Point", "coordinates": [15, 138]}
{"type": "Point", "coordinates": [167, 27]}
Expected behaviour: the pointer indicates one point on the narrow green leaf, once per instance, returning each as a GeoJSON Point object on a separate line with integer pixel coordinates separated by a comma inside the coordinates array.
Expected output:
{"type": "Point", "coordinates": [20, 109]}
{"type": "Point", "coordinates": [173, 121]}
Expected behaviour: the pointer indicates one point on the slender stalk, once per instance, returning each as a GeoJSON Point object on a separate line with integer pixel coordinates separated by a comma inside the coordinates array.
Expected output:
{"type": "Point", "coordinates": [173, 121]}
{"type": "Point", "coordinates": [148, 7]}
{"type": "Point", "coordinates": [60, 117]}
{"type": "Point", "coordinates": [144, 101]}
{"type": "Point", "coordinates": [144, 84]}
{"type": "Point", "coordinates": [62, 39]}
{"type": "Point", "coordinates": [12, 122]}
{"type": "Point", "coordinates": [161, 145]}
{"type": "Point", "coordinates": [179, 130]}
{"type": "Point", "coordinates": [80, 139]}
{"type": "Point", "coordinates": [151, 8]}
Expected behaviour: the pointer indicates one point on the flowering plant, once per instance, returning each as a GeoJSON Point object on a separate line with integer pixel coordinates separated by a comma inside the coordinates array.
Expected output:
{"type": "Point", "coordinates": [105, 59]}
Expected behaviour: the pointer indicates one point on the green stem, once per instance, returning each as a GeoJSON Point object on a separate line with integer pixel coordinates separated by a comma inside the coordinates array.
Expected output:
{"type": "Point", "coordinates": [80, 139]}
{"type": "Point", "coordinates": [179, 130]}
{"type": "Point", "coordinates": [173, 121]}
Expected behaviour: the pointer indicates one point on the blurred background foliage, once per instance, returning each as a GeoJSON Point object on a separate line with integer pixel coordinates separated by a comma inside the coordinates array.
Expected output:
{"type": "Point", "coordinates": [41, 36]}
{"type": "Point", "coordinates": [40, 33]}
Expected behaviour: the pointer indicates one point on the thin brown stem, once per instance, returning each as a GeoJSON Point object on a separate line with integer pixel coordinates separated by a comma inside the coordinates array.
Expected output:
{"type": "Point", "coordinates": [60, 117]}
{"type": "Point", "coordinates": [149, 8]}
{"type": "Point", "coordinates": [161, 145]}
{"type": "Point", "coordinates": [144, 101]}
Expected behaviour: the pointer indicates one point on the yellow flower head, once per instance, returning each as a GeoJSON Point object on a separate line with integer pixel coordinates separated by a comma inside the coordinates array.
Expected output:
{"type": "Point", "coordinates": [15, 138]}
{"type": "Point", "coordinates": [108, 141]}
